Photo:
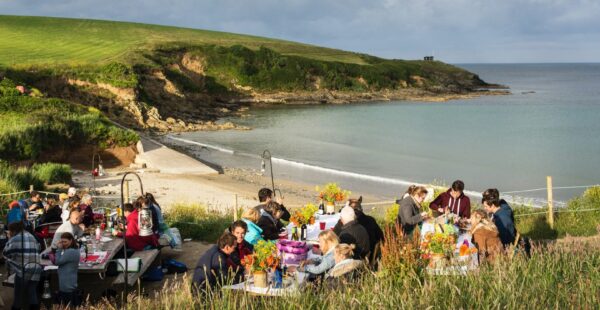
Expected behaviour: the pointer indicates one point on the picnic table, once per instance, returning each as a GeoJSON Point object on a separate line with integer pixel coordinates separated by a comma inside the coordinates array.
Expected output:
{"type": "Point", "coordinates": [96, 262]}
{"type": "Point", "coordinates": [313, 231]}
{"type": "Point", "coordinates": [458, 265]}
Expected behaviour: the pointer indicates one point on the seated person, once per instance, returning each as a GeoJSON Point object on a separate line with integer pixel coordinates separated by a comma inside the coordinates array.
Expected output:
{"type": "Point", "coordinates": [134, 241]}
{"type": "Point", "coordinates": [15, 213]}
{"type": "Point", "coordinates": [485, 236]}
{"type": "Point", "coordinates": [328, 240]}
{"type": "Point", "coordinates": [366, 221]}
{"type": "Point", "coordinates": [453, 201]}
{"type": "Point", "coordinates": [33, 203]}
{"type": "Point", "coordinates": [65, 212]}
{"type": "Point", "coordinates": [265, 196]}
{"type": "Point", "coordinates": [346, 269]}
{"type": "Point", "coordinates": [251, 217]}
{"type": "Point", "coordinates": [52, 213]}
{"type": "Point", "coordinates": [409, 215]}
{"type": "Point", "coordinates": [211, 269]}
{"type": "Point", "coordinates": [72, 226]}
{"type": "Point", "coordinates": [158, 221]}
{"type": "Point", "coordinates": [269, 221]}
{"type": "Point", "coordinates": [501, 214]}
{"type": "Point", "coordinates": [238, 230]}
{"type": "Point", "coordinates": [354, 233]}
{"type": "Point", "coordinates": [86, 208]}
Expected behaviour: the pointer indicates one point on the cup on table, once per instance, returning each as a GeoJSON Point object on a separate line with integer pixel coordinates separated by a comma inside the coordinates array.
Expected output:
{"type": "Point", "coordinates": [322, 225]}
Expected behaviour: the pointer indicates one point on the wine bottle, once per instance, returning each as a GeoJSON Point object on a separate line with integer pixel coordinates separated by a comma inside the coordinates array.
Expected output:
{"type": "Point", "coordinates": [295, 234]}
{"type": "Point", "coordinates": [321, 208]}
{"type": "Point", "coordinates": [303, 231]}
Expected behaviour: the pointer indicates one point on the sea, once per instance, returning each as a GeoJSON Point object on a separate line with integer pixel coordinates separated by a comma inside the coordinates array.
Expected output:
{"type": "Point", "coordinates": [548, 126]}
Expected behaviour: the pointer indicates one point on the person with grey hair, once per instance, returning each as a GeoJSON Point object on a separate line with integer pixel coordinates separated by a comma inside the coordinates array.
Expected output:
{"type": "Point", "coordinates": [354, 233]}
{"type": "Point", "coordinates": [86, 209]}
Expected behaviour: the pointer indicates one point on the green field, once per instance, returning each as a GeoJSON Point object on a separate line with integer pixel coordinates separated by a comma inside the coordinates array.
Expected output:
{"type": "Point", "coordinates": [26, 41]}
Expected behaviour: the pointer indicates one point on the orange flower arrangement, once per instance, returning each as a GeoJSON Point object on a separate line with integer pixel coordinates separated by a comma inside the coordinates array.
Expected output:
{"type": "Point", "coordinates": [304, 215]}
{"type": "Point", "coordinates": [263, 258]}
{"type": "Point", "coordinates": [331, 192]}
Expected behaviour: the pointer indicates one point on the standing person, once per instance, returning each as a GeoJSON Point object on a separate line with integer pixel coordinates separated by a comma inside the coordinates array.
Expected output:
{"type": "Point", "coordinates": [408, 213]}
{"type": "Point", "coordinates": [328, 240]}
{"type": "Point", "coordinates": [211, 269]}
{"type": "Point", "coordinates": [485, 236]}
{"type": "Point", "coordinates": [501, 214]}
{"type": "Point", "coordinates": [265, 196]}
{"type": "Point", "coordinates": [86, 208]}
{"type": "Point", "coordinates": [67, 260]}
{"type": "Point", "coordinates": [251, 217]}
{"type": "Point", "coordinates": [134, 241]}
{"type": "Point", "coordinates": [22, 254]}
{"type": "Point", "coordinates": [354, 233]}
{"type": "Point", "coordinates": [269, 221]}
{"type": "Point", "coordinates": [72, 226]}
{"type": "Point", "coordinates": [238, 230]}
{"type": "Point", "coordinates": [453, 201]}
{"type": "Point", "coordinates": [366, 221]}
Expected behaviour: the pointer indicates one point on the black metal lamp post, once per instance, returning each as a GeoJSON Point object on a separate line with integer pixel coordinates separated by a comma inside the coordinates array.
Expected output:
{"type": "Point", "coordinates": [267, 155]}
{"type": "Point", "coordinates": [125, 271]}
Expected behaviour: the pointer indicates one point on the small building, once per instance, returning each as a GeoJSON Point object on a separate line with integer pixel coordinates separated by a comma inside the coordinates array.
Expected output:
{"type": "Point", "coordinates": [428, 58]}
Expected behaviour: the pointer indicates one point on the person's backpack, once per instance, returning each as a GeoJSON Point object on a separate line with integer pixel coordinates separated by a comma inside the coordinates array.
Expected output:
{"type": "Point", "coordinates": [153, 274]}
{"type": "Point", "coordinates": [170, 266]}
{"type": "Point", "coordinates": [14, 215]}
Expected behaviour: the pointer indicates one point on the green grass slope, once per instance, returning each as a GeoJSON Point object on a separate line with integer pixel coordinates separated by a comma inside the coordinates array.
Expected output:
{"type": "Point", "coordinates": [26, 41]}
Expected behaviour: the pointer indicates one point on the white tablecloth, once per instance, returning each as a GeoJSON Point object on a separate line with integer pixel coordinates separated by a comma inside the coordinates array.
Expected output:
{"type": "Point", "coordinates": [270, 291]}
{"type": "Point", "coordinates": [312, 235]}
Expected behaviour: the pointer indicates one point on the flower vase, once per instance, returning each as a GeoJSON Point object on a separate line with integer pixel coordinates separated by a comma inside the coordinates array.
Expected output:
{"type": "Point", "coordinates": [330, 208]}
{"type": "Point", "coordinates": [260, 278]}
{"type": "Point", "coordinates": [437, 260]}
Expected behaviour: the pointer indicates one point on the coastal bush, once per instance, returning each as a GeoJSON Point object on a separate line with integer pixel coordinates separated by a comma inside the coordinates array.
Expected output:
{"type": "Point", "coordinates": [197, 221]}
{"type": "Point", "coordinates": [52, 173]}
{"type": "Point", "coordinates": [37, 125]}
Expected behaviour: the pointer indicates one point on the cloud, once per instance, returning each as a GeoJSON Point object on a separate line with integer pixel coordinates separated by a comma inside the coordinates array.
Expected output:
{"type": "Point", "coordinates": [455, 30]}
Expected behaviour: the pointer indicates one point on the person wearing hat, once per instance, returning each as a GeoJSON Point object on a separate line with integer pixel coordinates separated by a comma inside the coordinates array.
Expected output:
{"type": "Point", "coordinates": [354, 233]}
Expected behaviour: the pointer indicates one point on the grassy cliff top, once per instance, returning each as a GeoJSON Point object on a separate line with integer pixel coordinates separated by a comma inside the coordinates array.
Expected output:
{"type": "Point", "coordinates": [26, 41]}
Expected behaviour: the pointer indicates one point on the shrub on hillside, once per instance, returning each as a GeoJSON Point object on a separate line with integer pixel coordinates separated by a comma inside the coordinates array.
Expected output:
{"type": "Point", "coordinates": [52, 173]}
{"type": "Point", "coordinates": [8, 88]}
{"type": "Point", "coordinates": [197, 221]}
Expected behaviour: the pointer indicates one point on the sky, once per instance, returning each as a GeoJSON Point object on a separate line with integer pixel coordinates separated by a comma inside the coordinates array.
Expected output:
{"type": "Point", "coordinates": [454, 31]}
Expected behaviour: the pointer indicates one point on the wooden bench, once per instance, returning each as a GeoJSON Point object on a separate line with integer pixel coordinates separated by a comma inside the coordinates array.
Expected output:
{"type": "Point", "coordinates": [132, 277]}
{"type": "Point", "coordinates": [10, 281]}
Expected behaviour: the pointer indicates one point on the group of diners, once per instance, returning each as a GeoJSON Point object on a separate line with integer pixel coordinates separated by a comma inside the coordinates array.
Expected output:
{"type": "Point", "coordinates": [356, 237]}
{"type": "Point", "coordinates": [492, 228]}
{"type": "Point", "coordinates": [343, 248]}
{"type": "Point", "coordinates": [26, 234]}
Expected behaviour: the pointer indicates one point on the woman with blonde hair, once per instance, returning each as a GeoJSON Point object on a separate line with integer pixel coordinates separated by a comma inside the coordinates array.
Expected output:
{"type": "Point", "coordinates": [253, 234]}
{"type": "Point", "coordinates": [328, 240]}
{"type": "Point", "coordinates": [408, 214]}
{"type": "Point", "coordinates": [485, 236]}
{"type": "Point", "coordinates": [346, 268]}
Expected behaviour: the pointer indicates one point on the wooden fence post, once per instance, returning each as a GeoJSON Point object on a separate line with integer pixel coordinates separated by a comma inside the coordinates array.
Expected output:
{"type": "Point", "coordinates": [235, 209]}
{"type": "Point", "coordinates": [126, 190]}
{"type": "Point", "coordinates": [30, 188]}
{"type": "Point", "coordinates": [550, 202]}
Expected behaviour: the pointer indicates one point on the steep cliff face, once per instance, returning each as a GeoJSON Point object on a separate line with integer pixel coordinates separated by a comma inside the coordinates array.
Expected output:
{"type": "Point", "coordinates": [177, 88]}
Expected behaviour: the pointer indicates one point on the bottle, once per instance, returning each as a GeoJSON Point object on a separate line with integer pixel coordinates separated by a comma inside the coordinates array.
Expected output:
{"type": "Point", "coordinates": [321, 208]}
{"type": "Point", "coordinates": [303, 231]}
{"type": "Point", "coordinates": [295, 233]}
{"type": "Point", "coordinates": [82, 252]}
{"type": "Point", "coordinates": [47, 295]}
{"type": "Point", "coordinates": [98, 233]}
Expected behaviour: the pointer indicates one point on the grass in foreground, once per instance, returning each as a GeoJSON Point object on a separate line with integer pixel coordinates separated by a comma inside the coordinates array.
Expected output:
{"type": "Point", "coordinates": [554, 277]}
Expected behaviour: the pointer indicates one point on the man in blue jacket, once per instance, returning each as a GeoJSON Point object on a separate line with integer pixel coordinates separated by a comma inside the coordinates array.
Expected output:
{"type": "Point", "coordinates": [211, 269]}
{"type": "Point", "coordinates": [502, 215]}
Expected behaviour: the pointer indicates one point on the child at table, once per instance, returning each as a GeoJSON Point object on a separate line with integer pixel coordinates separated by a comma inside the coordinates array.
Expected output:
{"type": "Point", "coordinates": [346, 269]}
{"type": "Point", "coordinates": [67, 260]}
{"type": "Point", "coordinates": [328, 240]}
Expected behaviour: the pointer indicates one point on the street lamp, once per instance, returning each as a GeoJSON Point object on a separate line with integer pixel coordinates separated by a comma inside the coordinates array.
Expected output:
{"type": "Point", "coordinates": [267, 155]}
{"type": "Point", "coordinates": [125, 271]}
